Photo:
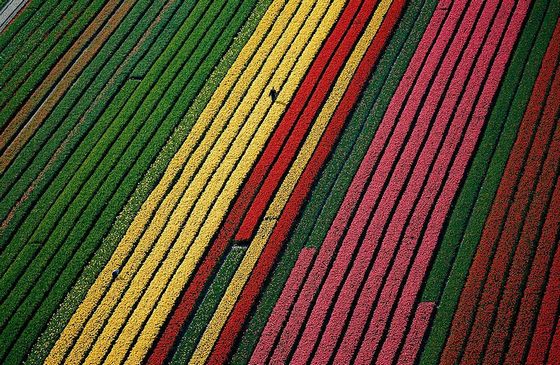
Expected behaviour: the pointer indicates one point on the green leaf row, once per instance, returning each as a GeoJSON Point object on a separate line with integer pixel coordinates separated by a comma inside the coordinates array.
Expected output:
{"type": "Point", "coordinates": [76, 121]}
{"type": "Point", "coordinates": [24, 24]}
{"type": "Point", "coordinates": [32, 26]}
{"type": "Point", "coordinates": [67, 221]}
{"type": "Point", "coordinates": [191, 335]}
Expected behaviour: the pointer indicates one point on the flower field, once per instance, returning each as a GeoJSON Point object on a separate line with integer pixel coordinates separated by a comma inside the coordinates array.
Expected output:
{"type": "Point", "coordinates": [280, 181]}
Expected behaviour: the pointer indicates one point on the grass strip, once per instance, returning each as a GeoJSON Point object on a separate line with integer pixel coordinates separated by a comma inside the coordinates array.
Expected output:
{"type": "Point", "coordinates": [33, 25]}
{"type": "Point", "coordinates": [92, 82]}
{"type": "Point", "coordinates": [77, 122]}
{"type": "Point", "coordinates": [21, 328]}
{"type": "Point", "coordinates": [118, 132]}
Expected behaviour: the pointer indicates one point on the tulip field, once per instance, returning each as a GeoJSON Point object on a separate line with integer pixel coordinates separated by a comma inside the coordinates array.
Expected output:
{"type": "Point", "coordinates": [280, 181]}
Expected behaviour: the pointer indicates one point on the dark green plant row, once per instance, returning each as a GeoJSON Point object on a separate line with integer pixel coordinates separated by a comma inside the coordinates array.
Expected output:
{"type": "Point", "coordinates": [140, 10]}
{"type": "Point", "coordinates": [99, 255]}
{"type": "Point", "coordinates": [464, 229]}
{"type": "Point", "coordinates": [24, 326]}
{"type": "Point", "coordinates": [30, 27]}
{"type": "Point", "coordinates": [24, 25]}
{"type": "Point", "coordinates": [124, 94]}
{"type": "Point", "coordinates": [327, 195]}
{"type": "Point", "coordinates": [76, 120]}
{"type": "Point", "coordinates": [28, 30]}
{"type": "Point", "coordinates": [100, 190]}
{"type": "Point", "coordinates": [24, 78]}
{"type": "Point", "coordinates": [59, 219]}
{"type": "Point", "coordinates": [81, 115]}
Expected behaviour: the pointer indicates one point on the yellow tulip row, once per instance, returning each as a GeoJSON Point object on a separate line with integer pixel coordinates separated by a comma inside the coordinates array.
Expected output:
{"type": "Point", "coordinates": [159, 198]}
{"type": "Point", "coordinates": [275, 209]}
{"type": "Point", "coordinates": [209, 127]}
{"type": "Point", "coordinates": [215, 201]}
{"type": "Point", "coordinates": [224, 166]}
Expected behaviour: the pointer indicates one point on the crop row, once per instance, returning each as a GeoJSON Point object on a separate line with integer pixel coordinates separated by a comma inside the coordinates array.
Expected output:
{"type": "Point", "coordinates": [60, 78]}
{"type": "Point", "coordinates": [24, 78]}
{"type": "Point", "coordinates": [165, 128]}
{"type": "Point", "coordinates": [291, 211]}
{"type": "Point", "coordinates": [111, 109]}
{"type": "Point", "coordinates": [292, 285]}
{"type": "Point", "coordinates": [324, 130]}
{"type": "Point", "coordinates": [274, 145]}
{"type": "Point", "coordinates": [318, 202]}
{"type": "Point", "coordinates": [187, 265]}
{"type": "Point", "coordinates": [135, 155]}
{"type": "Point", "coordinates": [387, 233]}
{"type": "Point", "coordinates": [110, 130]}
{"type": "Point", "coordinates": [30, 28]}
{"type": "Point", "coordinates": [79, 111]}
{"type": "Point", "coordinates": [182, 181]}
{"type": "Point", "coordinates": [132, 327]}
{"type": "Point", "coordinates": [208, 305]}
{"type": "Point", "coordinates": [97, 145]}
{"type": "Point", "coordinates": [345, 189]}
{"type": "Point", "coordinates": [24, 25]}
{"type": "Point", "coordinates": [72, 115]}
{"type": "Point", "coordinates": [512, 224]}
{"type": "Point", "coordinates": [73, 150]}
{"type": "Point", "coordinates": [306, 104]}
{"type": "Point", "coordinates": [102, 196]}
{"type": "Point", "coordinates": [102, 254]}
{"type": "Point", "coordinates": [464, 230]}
{"type": "Point", "coordinates": [326, 197]}
{"type": "Point", "coordinates": [294, 23]}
